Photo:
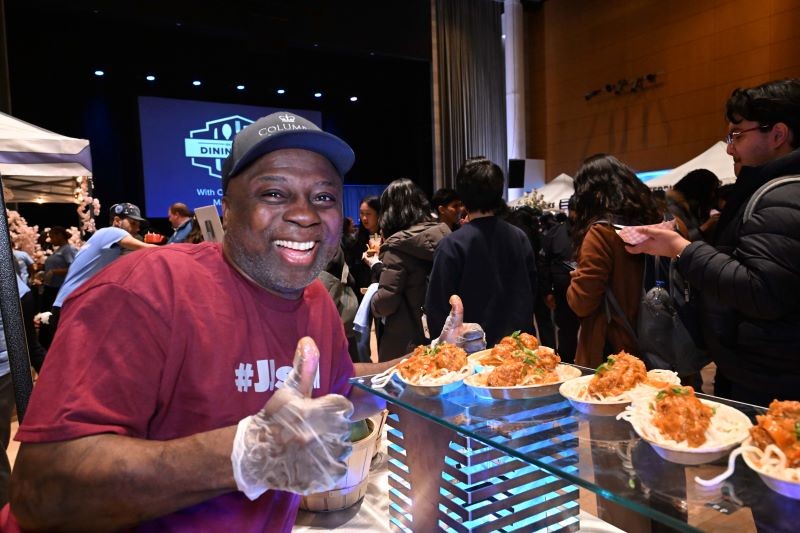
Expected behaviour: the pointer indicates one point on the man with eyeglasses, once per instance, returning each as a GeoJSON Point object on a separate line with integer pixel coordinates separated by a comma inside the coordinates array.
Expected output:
{"type": "Point", "coordinates": [750, 274]}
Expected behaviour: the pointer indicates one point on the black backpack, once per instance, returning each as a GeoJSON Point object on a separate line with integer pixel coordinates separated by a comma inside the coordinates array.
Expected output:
{"type": "Point", "coordinates": [341, 291]}
{"type": "Point", "coordinates": [665, 331]}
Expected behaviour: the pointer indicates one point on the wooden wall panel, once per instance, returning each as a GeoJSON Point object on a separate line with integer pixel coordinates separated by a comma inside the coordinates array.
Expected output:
{"type": "Point", "coordinates": [700, 49]}
{"type": "Point", "coordinates": [535, 91]}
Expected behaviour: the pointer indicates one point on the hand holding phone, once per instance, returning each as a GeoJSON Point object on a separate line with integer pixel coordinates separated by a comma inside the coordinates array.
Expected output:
{"type": "Point", "coordinates": [570, 265]}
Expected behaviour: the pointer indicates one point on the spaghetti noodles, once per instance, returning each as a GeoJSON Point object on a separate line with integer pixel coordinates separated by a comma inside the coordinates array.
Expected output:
{"type": "Point", "coordinates": [685, 429]}
{"type": "Point", "coordinates": [621, 378]}
{"type": "Point", "coordinates": [773, 449]}
{"type": "Point", "coordinates": [445, 363]}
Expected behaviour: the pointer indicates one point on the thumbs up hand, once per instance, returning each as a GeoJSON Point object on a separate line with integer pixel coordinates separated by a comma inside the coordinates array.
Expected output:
{"type": "Point", "coordinates": [469, 336]}
{"type": "Point", "coordinates": [295, 443]}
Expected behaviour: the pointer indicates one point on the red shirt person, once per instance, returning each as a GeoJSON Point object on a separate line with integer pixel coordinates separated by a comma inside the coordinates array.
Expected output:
{"type": "Point", "coordinates": [141, 418]}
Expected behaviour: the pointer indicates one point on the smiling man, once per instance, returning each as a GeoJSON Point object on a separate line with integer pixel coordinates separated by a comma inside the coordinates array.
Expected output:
{"type": "Point", "coordinates": [749, 275]}
{"type": "Point", "coordinates": [184, 392]}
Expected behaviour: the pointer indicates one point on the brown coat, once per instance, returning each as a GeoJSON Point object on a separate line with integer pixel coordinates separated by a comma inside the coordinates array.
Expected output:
{"type": "Point", "coordinates": [602, 258]}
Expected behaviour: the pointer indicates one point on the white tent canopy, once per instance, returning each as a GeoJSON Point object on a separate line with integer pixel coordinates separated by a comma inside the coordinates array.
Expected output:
{"type": "Point", "coordinates": [39, 165]}
{"type": "Point", "coordinates": [715, 159]}
{"type": "Point", "coordinates": [559, 188]}
{"type": "Point", "coordinates": [553, 192]}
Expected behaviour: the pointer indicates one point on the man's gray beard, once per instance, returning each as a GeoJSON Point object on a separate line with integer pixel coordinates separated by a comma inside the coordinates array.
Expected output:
{"type": "Point", "coordinates": [259, 268]}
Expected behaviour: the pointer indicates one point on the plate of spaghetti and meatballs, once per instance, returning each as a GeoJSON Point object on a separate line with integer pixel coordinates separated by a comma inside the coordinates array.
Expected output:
{"type": "Point", "coordinates": [683, 429]}
{"type": "Point", "coordinates": [518, 368]}
{"type": "Point", "coordinates": [614, 384]}
{"type": "Point", "coordinates": [430, 370]}
{"type": "Point", "coordinates": [772, 450]}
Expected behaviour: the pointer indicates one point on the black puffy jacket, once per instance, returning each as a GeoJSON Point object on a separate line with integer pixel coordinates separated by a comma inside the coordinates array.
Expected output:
{"type": "Point", "coordinates": [750, 280]}
{"type": "Point", "coordinates": [407, 258]}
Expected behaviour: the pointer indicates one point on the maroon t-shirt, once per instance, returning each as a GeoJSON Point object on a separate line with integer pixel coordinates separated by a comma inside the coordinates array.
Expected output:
{"type": "Point", "coordinates": [170, 342]}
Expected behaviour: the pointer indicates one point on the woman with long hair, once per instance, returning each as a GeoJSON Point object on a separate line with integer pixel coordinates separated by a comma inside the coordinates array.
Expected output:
{"type": "Point", "coordinates": [607, 192]}
{"type": "Point", "coordinates": [402, 266]}
{"type": "Point", "coordinates": [368, 212]}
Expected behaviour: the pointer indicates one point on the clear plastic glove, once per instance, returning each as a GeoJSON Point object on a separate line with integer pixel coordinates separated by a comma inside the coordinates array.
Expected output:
{"type": "Point", "coordinates": [468, 336]}
{"type": "Point", "coordinates": [295, 443]}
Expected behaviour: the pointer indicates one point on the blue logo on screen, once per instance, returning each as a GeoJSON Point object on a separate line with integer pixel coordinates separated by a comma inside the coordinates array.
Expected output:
{"type": "Point", "coordinates": [208, 147]}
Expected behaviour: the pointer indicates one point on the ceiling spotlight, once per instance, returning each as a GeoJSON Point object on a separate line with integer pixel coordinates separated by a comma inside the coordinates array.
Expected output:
{"type": "Point", "coordinates": [281, 91]}
{"type": "Point", "coordinates": [240, 87]}
{"type": "Point", "coordinates": [317, 95]}
{"type": "Point", "coordinates": [354, 98]}
{"type": "Point", "coordinates": [99, 73]}
{"type": "Point", "coordinates": [197, 83]}
{"type": "Point", "coordinates": [150, 77]}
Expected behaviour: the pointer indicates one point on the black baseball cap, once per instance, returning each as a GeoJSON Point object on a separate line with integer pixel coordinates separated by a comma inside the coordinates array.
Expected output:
{"type": "Point", "coordinates": [126, 210]}
{"type": "Point", "coordinates": [284, 130]}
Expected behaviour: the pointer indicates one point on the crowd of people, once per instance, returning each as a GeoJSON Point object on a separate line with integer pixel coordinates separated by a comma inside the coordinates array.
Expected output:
{"type": "Point", "coordinates": [138, 434]}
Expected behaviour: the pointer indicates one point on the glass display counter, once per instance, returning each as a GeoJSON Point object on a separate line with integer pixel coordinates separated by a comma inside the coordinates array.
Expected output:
{"type": "Point", "coordinates": [459, 462]}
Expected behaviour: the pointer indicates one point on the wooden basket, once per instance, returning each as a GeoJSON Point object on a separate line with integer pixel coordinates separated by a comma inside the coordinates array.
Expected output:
{"type": "Point", "coordinates": [353, 486]}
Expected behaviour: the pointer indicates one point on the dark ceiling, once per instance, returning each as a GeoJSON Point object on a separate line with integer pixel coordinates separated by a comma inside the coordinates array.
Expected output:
{"type": "Point", "coordinates": [376, 50]}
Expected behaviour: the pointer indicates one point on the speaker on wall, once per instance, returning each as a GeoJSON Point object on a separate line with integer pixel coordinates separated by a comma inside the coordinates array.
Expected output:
{"type": "Point", "coordinates": [516, 173]}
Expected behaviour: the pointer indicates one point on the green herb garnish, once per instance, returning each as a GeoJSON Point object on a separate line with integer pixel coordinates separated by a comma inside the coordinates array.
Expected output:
{"type": "Point", "coordinates": [432, 351]}
{"type": "Point", "coordinates": [530, 354]}
{"type": "Point", "coordinates": [797, 430]}
{"type": "Point", "coordinates": [678, 391]}
{"type": "Point", "coordinates": [530, 365]}
{"type": "Point", "coordinates": [605, 366]}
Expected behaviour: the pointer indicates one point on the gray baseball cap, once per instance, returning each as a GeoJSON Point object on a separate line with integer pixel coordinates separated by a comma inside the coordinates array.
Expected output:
{"type": "Point", "coordinates": [284, 130]}
{"type": "Point", "coordinates": [127, 210]}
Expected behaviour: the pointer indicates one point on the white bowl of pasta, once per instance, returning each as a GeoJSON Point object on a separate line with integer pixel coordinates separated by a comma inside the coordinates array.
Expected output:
{"type": "Point", "coordinates": [435, 386]}
{"type": "Point", "coordinates": [772, 450]}
{"type": "Point", "coordinates": [429, 370]}
{"type": "Point", "coordinates": [727, 428]}
{"type": "Point", "coordinates": [769, 464]}
{"type": "Point", "coordinates": [478, 383]}
{"type": "Point", "coordinates": [578, 393]}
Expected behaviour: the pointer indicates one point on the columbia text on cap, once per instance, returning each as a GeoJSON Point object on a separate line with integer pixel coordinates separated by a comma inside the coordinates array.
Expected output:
{"type": "Point", "coordinates": [280, 131]}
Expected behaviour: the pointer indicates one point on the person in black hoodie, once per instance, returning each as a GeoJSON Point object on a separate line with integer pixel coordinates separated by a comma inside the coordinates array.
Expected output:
{"type": "Point", "coordinates": [749, 273]}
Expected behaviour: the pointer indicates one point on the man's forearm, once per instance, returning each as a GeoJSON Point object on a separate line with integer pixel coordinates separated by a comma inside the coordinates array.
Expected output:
{"type": "Point", "coordinates": [367, 369]}
{"type": "Point", "coordinates": [105, 482]}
